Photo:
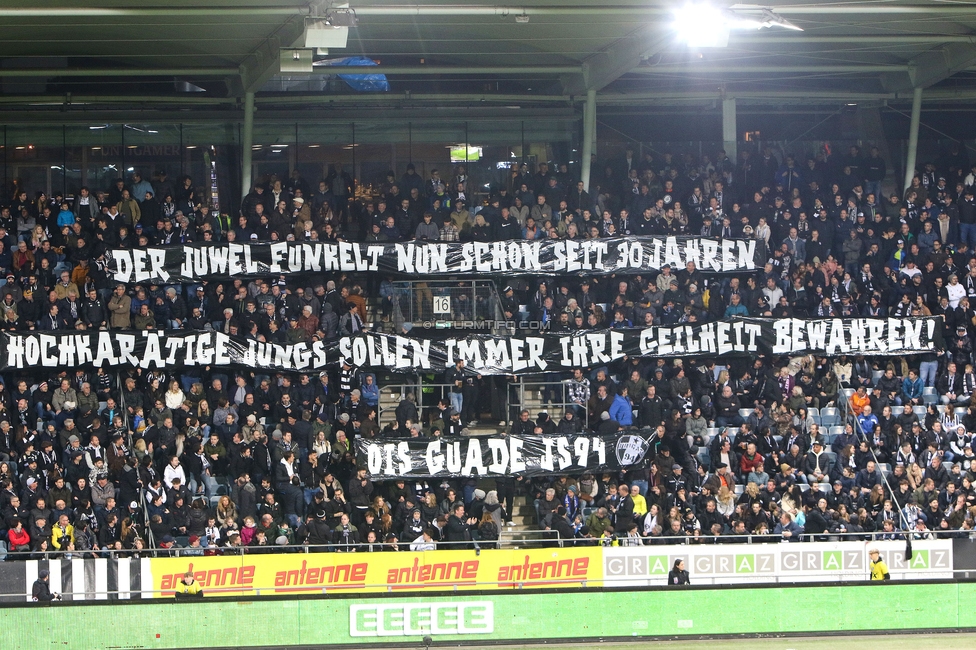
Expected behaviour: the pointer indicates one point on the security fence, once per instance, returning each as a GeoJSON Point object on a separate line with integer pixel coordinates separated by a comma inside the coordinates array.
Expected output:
{"type": "Point", "coordinates": [446, 304]}
{"type": "Point", "coordinates": [489, 399]}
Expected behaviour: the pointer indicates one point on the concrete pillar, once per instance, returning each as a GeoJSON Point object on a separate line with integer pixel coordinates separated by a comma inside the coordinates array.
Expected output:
{"type": "Point", "coordinates": [247, 142]}
{"type": "Point", "coordinates": [913, 137]}
{"type": "Point", "coordinates": [729, 133]}
{"type": "Point", "coordinates": [589, 137]}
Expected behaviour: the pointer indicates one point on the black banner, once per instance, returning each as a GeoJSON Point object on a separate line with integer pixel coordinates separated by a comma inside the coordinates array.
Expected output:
{"type": "Point", "coordinates": [527, 455]}
{"type": "Point", "coordinates": [196, 262]}
{"type": "Point", "coordinates": [523, 353]}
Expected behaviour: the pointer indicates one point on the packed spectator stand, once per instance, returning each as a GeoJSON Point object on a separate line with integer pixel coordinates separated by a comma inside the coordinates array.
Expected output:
{"type": "Point", "coordinates": [136, 463]}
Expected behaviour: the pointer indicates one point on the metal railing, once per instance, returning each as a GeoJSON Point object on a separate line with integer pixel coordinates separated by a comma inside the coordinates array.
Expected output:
{"type": "Point", "coordinates": [443, 304]}
{"type": "Point", "coordinates": [515, 585]}
{"type": "Point", "coordinates": [530, 538]}
{"type": "Point", "coordinates": [539, 394]}
{"type": "Point", "coordinates": [665, 541]}
{"type": "Point", "coordinates": [532, 393]}
{"type": "Point", "coordinates": [392, 393]}
{"type": "Point", "coordinates": [476, 544]}
{"type": "Point", "coordinates": [863, 436]}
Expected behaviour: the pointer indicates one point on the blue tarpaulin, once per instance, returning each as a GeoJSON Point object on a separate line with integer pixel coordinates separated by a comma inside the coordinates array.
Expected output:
{"type": "Point", "coordinates": [367, 83]}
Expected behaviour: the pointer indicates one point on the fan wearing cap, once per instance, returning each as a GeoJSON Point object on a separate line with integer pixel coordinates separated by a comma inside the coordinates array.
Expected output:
{"type": "Point", "coordinates": [194, 547]}
{"type": "Point", "coordinates": [961, 346]}
{"type": "Point", "coordinates": [820, 465]}
{"type": "Point", "coordinates": [41, 591]}
{"type": "Point", "coordinates": [898, 257]}
{"type": "Point", "coordinates": [300, 212]}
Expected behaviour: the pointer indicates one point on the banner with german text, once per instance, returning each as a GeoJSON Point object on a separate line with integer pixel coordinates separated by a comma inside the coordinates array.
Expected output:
{"type": "Point", "coordinates": [485, 354]}
{"type": "Point", "coordinates": [196, 262]}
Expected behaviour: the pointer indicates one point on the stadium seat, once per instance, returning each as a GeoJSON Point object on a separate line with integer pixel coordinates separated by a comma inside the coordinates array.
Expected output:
{"type": "Point", "coordinates": [835, 430]}
{"type": "Point", "coordinates": [704, 457]}
{"type": "Point", "coordinates": [804, 487]}
{"type": "Point", "coordinates": [876, 375]}
{"type": "Point", "coordinates": [961, 411]}
{"type": "Point", "coordinates": [829, 416]}
{"type": "Point", "coordinates": [829, 421]}
{"type": "Point", "coordinates": [744, 413]}
{"type": "Point", "coordinates": [813, 411]}
{"type": "Point", "coordinates": [919, 410]}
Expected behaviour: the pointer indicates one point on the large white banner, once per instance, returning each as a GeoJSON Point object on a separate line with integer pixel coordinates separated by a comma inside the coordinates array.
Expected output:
{"type": "Point", "coordinates": [782, 562]}
{"type": "Point", "coordinates": [483, 353]}
{"type": "Point", "coordinates": [195, 262]}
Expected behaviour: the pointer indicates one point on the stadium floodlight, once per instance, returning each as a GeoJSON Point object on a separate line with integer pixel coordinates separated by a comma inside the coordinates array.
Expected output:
{"type": "Point", "coordinates": [320, 33]}
{"type": "Point", "coordinates": [770, 19]}
{"type": "Point", "coordinates": [700, 24]}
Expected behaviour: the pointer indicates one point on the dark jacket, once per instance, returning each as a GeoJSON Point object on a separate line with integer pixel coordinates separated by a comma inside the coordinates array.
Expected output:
{"type": "Point", "coordinates": [41, 591]}
{"type": "Point", "coordinates": [678, 577]}
{"type": "Point", "coordinates": [457, 530]}
{"type": "Point", "coordinates": [625, 515]}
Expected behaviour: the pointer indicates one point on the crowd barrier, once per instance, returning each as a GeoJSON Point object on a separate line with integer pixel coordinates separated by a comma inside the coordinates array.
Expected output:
{"type": "Point", "coordinates": [282, 574]}
{"type": "Point", "coordinates": [515, 617]}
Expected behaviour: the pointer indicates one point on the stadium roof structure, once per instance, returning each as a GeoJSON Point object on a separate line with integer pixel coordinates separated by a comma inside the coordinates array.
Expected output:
{"type": "Point", "coordinates": [199, 54]}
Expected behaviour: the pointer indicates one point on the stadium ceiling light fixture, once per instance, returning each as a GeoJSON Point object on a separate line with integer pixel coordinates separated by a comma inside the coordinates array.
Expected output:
{"type": "Point", "coordinates": [700, 24]}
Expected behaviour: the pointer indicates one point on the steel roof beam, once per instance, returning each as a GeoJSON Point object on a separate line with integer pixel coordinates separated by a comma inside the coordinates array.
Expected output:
{"type": "Point", "coordinates": [502, 11]}
{"type": "Point", "coordinates": [931, 67]}
{"type": "Point", "coordinates": [760, 38]}
{"type": "Point", "coordinates": [264, 63]}
{"type": "Point", "coordinates": [447, 69]}
{"type": "Point", "coordinates": [117, 72]}
{"type": "Point", "coordinates": [133, 12]}
{"type": "Point", "coordinates": [693, 68]}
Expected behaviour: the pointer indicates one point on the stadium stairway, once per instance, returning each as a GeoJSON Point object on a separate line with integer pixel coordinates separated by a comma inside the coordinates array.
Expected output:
{"type": "Point", "coordinates": [524, 532]}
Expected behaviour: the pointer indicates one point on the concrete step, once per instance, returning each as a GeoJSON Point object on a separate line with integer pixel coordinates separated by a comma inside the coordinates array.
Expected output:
{"type": "Point", "coordinates": [528, 538]}
{"type": "Point", "coordinates": [480, 430]}
{"type": "Point", "coordinates": [523, 520]}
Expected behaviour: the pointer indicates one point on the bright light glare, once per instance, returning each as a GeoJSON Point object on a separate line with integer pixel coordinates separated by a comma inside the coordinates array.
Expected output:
{"type": "Point", "coordinates": [701, 25]}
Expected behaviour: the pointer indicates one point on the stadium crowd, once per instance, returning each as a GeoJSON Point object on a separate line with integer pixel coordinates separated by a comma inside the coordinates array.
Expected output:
{"type": "Point", "coordinates": [213, 461]}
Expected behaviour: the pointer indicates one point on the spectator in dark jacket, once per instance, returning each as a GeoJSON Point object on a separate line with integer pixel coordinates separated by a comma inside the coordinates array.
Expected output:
{"type": "Point", "coordinates": [459, 527]}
